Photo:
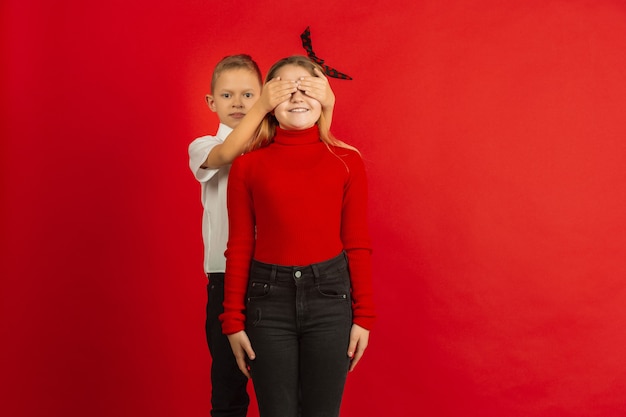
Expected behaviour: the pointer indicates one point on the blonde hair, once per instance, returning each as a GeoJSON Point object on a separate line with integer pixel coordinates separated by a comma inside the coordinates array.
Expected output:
{"type": "Point", "coordinates": [241, 61]}
{"type": "Point", "coordinates": [267, 129]}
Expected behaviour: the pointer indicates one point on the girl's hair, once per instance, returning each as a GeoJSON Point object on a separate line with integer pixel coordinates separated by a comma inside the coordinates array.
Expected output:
{"type": "Point", "coordinates": [241, 61]}
{"type": "Point", "coordinates": [267, 129]}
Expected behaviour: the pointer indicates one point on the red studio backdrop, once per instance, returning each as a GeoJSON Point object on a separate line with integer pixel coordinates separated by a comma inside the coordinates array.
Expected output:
{"type": "Point", "coordinates": [494, 138]}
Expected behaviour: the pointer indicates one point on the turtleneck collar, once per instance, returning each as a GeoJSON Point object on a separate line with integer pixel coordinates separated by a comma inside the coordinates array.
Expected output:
{"type": "Point", "coordinates": [297, 137]}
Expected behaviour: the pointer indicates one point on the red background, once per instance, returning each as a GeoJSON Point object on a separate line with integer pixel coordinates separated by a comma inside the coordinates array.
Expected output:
{"type": "Point", "coordinates": [493, 134]}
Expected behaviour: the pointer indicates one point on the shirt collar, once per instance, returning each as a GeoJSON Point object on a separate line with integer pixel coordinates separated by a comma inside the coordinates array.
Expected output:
{"type": "Point", "coordinates": [223, 131]}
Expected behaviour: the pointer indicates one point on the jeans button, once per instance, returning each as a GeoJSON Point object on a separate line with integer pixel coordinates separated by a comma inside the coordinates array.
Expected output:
{"type": "Point", "coordinates": [298, 274]}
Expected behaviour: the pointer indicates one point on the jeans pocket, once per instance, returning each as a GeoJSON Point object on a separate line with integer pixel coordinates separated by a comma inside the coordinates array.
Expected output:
{"type": "Point", "coordinates": [335, 289]}
{"type": "Point", "coordinates": [335, 292]}
{"type": "Point", "coordinates": [257, 290]}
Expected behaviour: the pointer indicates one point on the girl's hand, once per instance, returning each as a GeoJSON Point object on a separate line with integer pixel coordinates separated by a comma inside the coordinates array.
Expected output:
{"type": "Point", "coordinates": [318, 88]}
{"type": "Point", "coordinates": [275, 91]}
{"type": "Point", "coordinates": [240, 344]}
{"type": "Point", "coordinates": [359, 337]}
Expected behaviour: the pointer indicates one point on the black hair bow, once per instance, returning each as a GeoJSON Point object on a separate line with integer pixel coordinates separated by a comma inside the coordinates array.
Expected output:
{"type": "Point", "coordinates": [306, 44]}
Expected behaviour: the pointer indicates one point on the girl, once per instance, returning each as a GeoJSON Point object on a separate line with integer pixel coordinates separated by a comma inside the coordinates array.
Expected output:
{"type": "Point", "coordinates": [298, 296]}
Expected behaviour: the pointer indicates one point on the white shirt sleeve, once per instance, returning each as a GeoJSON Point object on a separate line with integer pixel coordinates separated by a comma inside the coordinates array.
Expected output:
{"type": "Point", "coordinates": [198, 152]}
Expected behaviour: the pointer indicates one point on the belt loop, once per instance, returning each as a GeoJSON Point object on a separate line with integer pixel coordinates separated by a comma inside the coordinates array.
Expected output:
{"type": "Point", "coordinates": [273, 275]}
{"type": "Point", "coordinates": [316, 273]}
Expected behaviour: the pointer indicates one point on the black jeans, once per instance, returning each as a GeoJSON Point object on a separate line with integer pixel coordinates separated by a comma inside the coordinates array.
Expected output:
{"type": "Point", "coordinates": [229, 397]}
{"type": "Point", "coordinates": [298, 320]}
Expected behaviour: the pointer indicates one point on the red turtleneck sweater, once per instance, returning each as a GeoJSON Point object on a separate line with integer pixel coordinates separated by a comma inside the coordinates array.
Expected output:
{"type": "Point", "coordinates": [307, 202]}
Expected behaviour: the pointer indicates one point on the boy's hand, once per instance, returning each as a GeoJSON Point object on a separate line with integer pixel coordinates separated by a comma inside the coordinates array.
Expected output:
{"type": "Point", "coordinates": [318, 88]}
{"type": "Point", "coordinates": [359, 338]}
{"type": "Point", "coordinates": [240, 344]}
{"type": "Point", "coordinates": [275, 91]}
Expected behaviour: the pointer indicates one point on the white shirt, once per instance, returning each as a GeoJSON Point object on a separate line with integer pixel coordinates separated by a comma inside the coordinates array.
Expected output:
{"type": "Point", "coordinates": [214, 183]}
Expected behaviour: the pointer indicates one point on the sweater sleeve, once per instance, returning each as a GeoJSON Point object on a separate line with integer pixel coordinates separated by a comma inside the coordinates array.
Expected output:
{"type": "Point", "coordinates": [356, 241]}
{"type": "Point", "coordinates": [239, 250]}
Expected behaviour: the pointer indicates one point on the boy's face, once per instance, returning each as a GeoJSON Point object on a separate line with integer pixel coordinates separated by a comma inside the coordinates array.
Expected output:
{"type": "Point", "coordinates": [235, 92]}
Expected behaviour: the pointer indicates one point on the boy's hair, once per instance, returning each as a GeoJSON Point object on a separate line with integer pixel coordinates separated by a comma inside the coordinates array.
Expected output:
{"type": "Point", "coordinates": [241, 61]}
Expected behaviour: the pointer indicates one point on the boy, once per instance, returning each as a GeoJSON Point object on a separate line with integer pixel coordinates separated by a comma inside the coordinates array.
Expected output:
{"type": "Point", "coordinates": [241, 103]}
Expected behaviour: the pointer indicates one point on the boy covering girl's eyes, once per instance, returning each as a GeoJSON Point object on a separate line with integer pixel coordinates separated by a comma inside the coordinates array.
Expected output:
{"type": "Point", "coordinates": [241, 103]}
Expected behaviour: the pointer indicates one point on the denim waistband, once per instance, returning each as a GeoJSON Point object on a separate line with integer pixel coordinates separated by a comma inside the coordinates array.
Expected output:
{"type": "Point", "coordinates": [288, 273]}
{"type": "Point", "coordinates": [215, 277]}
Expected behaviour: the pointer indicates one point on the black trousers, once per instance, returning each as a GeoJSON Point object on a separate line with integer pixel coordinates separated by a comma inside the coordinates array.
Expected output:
{"type": "Point", "coordinates": [229, 397]}
{"type": "Point", "coordinates": [298, 320]}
